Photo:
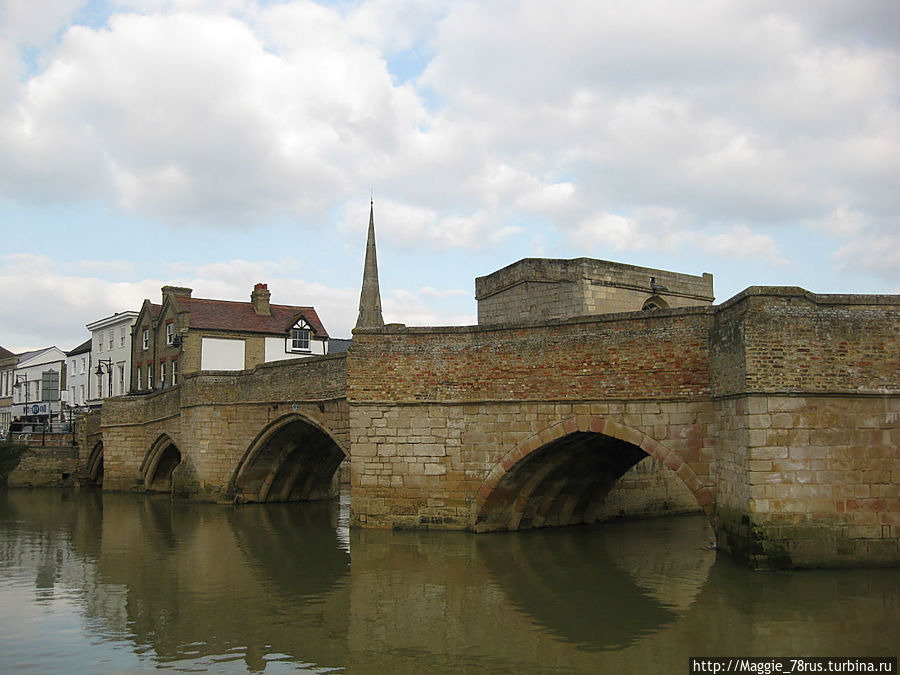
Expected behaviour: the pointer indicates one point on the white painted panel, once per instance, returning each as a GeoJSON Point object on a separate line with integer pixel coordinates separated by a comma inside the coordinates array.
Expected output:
{"type": "Point", "coordinates": [275, 349]}
{"type": "Point", "coordinates": [221, 354]}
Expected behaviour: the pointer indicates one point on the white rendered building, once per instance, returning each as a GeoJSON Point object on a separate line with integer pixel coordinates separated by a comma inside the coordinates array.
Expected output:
{"type": "Point", "coordinates": [110, 357]}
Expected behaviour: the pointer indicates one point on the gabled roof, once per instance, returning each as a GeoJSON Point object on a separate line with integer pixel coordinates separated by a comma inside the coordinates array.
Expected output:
{"type": "Point", "coordinates": [240, 316]}
{"type": "Point", "coordinates": [5, 353]}
{"type": "Point", "coordinates": [152, 311]}
{"type": "Point", "coordinates": [33, 355]}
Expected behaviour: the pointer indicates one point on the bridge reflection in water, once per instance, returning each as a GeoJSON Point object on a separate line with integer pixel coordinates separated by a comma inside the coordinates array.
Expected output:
{"type": "Point", "coordinates": [144, 582]}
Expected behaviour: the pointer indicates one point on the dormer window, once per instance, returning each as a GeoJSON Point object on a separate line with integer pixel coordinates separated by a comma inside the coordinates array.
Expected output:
{"type": "Point", "coordinates": [299, 340]}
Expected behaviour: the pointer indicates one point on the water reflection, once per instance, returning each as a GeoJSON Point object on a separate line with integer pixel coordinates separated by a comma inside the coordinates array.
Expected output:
{"type": "Point", "coordinates": [568, 583]}
{"type": "Point", "coordinates": [115, 583]}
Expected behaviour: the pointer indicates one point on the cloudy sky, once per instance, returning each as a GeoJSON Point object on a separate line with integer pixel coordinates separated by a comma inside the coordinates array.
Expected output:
{"type": "Point", "coordinates": [219, 143]}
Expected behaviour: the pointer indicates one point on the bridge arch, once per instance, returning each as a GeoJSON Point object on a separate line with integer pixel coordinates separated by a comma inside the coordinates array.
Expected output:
{"type": "Point", "coordinates": [159, 463]}
{"type": "Point", "coordinates": [561, 475]}
{"type": "Point", "coordinates": [292, 459]}
{"type": "Point", "coordinates": [95, 464]}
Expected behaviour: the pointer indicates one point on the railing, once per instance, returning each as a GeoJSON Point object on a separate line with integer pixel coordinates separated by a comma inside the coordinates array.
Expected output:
{"type": "Point", "coordinates": [37, 434]}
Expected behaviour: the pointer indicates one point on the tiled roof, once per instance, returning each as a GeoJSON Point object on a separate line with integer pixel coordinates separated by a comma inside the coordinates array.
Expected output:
{"type": "Point", "coordinates": [339, 345]}
{"type": "Point", "coordinates": [239, 316]}
{"type": "Point", "coordinates": [5, 353]}
{"type": "Point", "coordinates": [81, 349]}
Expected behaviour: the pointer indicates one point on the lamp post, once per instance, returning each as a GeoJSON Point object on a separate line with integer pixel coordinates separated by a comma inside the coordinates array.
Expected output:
{"type": "Point", "coordinates": [22, 381]}
{"type": "Point", "coordinates": [101, 364]}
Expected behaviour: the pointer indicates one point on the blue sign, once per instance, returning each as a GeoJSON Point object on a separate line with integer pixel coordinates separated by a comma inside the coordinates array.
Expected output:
{"type": "Point", "coordinates": [37, 409]}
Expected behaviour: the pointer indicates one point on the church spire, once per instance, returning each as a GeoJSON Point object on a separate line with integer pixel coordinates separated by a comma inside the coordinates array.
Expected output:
{"type": "Point", "coordinates": [370, 296]}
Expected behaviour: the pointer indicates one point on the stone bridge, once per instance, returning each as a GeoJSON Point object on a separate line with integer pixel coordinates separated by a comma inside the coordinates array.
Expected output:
{"type": "Point", "coordinates": [777, 413]}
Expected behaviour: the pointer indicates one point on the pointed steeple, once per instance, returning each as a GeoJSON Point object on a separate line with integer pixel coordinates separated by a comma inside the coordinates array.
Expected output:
{"type": "Point", "coordinates": [370, 296]}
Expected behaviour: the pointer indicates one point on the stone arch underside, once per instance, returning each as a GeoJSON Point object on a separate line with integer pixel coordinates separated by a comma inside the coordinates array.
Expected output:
{"type": "Point", "coordinates": [95, 464]}
{"type": "Point", "coordinates": [563, 475]}
{"type": "Point", "coordinates": [159, 464]}
{"type": "Point", "coordinates": [292, 460]}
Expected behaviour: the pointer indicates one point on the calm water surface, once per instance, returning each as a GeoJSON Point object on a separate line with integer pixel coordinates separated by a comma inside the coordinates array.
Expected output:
{"type": "Point", "coordinates": [104, 583]}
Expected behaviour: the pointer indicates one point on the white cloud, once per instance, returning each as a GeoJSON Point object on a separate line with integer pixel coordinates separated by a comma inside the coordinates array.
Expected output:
{"type": "Point", "coordinates": [48, 306]}
{"type": "Point", "coordinates": [35, 23]}
{"type": "Point", "coordinates": [416, 309]}
{"type": "Point", "coordinates": [595, 125]}
{"type": "Point", "coordinates": [187, 118]}
{"type": "Point", "coordinates": [877, 254]}
{"type": "Point", "coordinates": [740, 243]}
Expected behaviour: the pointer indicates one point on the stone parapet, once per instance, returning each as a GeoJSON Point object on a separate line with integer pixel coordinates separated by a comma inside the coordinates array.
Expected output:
{"type": "Point", "coordinates": [643, 355]}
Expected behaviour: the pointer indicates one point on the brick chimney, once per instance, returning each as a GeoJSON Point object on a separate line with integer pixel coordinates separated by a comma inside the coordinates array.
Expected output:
{"type": "Point", "coordinates": [176, 291]}
{"type": "Point", "coordinates": [259, 298]}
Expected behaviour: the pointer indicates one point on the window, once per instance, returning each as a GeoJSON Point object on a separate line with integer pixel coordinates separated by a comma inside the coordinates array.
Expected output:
{"type": "Point", "coordinates": [112, 340]}
{"type": "Point", "coordinates": [174, 373]}
{"type": "Point", "coordinates": [138, 378]}
{"type": "Point", "coordinates": [83, 364]}
{"type": "Point", "coordinates": [145, 339]}
{"type": "Point", "coordinates": [99, 386]}
{"type": "Point", "coordinates": [100, 342]}
{"type": "Point", "coordinates": [122, 336]}
{"type": "Point", "coordinates": [162, 374]}
{"type": "Point", "coordinates": [81, 398]}
{"type": "Point", "coordinates": [121, 370]}
{"type": "Point", "coordinates": [654, 303]}
{"type": "Point", "coordinates": [299, 340]}
{"type": "Point", "coordinates": [170, 333]}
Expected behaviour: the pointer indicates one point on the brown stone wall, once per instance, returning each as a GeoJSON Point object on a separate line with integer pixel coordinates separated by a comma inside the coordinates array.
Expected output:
{"type": "Point", "coordinates": [818, 483]}
{"type": "Point", "coordinates": [214, 418]}
{"type": "Point", "coordinates": [423, 465]}
{"type": "Point", "coordinates": [46, 466]}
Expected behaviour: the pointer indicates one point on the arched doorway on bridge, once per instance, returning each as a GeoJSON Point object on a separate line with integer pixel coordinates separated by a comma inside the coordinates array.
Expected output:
{"type": "Point", "coordinates": [292, 459]}
{"type": "Point", "coordinates": [95, 465]}
{"type": "Point", "coordinates": [565, 480]}
{"type": "Point", "coordinates": [159, 464]}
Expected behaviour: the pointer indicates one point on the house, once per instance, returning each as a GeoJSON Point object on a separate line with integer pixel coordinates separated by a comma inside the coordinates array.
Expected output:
{"type": "Point", "coordinates": [185, 335]}
{"type": "Point", "coordinates": [78, 374]}
{"type": "Point", "coordinates": [8, 362]}
{"type": "Point", "coordinates": [38, 386]}
{"type": "Point", "coordinates": [110, 356]}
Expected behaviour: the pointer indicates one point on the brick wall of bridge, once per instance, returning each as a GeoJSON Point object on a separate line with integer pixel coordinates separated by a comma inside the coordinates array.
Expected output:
{"type": "Point", "coordinates": [779, 409]}
{"type": "Point", "coordinates": [434, 411]}
{"type": "Point", "coordinates": [808, 450]}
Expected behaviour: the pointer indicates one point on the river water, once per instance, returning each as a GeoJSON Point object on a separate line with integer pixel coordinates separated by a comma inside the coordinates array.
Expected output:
{"type": "Point", "coordinates": [111, 583]}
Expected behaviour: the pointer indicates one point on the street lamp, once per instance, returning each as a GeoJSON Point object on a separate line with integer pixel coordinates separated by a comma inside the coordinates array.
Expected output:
{"type": "Point", "coordinates": [101, 364]}
{"type": "Point", "coordinates": [22, 381]}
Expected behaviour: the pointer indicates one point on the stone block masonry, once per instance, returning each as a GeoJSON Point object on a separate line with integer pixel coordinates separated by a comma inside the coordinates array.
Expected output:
{"type": "Point", "coordinates": [541, 289]}
{"type": "Point", "coordinates": [778, 412]}
{"type": "Point", "coordinates": [214, 419]}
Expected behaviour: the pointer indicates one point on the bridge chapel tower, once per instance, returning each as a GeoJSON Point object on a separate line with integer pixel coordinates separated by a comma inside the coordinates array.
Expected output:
{"type": "Point", "coordinates": [370, 296]}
